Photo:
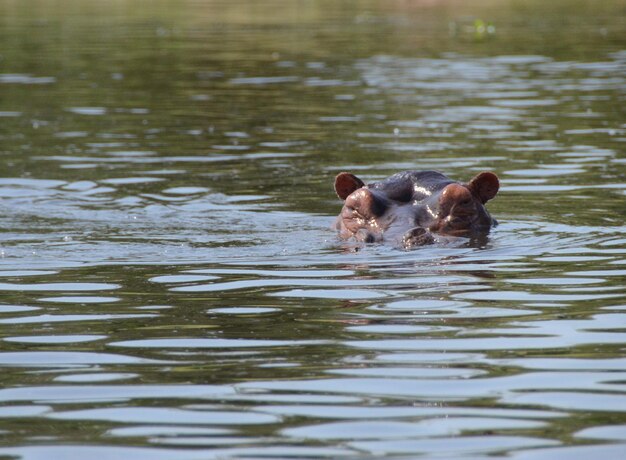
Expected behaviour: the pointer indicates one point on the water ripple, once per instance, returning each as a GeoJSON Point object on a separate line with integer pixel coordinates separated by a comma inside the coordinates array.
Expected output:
{"type": "Point", "coordinates": [170, 282]}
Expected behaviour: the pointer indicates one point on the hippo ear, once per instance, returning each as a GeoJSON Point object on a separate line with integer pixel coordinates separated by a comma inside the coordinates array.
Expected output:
{"type": "Point", "coordinates": [484, 186]}
{"type": "Point", "coordinates": [346, 183]}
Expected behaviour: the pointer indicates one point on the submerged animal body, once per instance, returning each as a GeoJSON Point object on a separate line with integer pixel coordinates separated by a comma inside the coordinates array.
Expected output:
{"type": "Point", "coordinates": [411, 207]}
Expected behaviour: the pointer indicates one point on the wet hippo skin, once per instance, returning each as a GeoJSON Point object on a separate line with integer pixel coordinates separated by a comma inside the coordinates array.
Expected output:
{"type": "Point", "coordinates": [411, 207]}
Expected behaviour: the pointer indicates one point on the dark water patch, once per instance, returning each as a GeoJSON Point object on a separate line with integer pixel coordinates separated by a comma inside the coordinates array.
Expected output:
{"type": "Point", "coordinates": [61, 358]}
{"type": "Point", "coordinates": [55, 339]}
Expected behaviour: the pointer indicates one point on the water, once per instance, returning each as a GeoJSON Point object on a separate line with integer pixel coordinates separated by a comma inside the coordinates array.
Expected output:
{"type": "Point", "coordinates": [170, 287]}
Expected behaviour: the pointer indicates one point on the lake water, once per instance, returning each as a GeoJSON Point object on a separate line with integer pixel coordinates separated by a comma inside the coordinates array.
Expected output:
{"type": "Point", "coordinates": [170, 287]}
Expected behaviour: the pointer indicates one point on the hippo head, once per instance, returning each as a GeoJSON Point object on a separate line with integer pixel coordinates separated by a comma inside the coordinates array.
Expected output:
{"type": "Point", "coordinates": [409, 207]}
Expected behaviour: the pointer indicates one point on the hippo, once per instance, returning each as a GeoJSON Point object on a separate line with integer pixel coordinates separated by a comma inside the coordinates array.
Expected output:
{"type": "Point", "coordinates": [410, 208]}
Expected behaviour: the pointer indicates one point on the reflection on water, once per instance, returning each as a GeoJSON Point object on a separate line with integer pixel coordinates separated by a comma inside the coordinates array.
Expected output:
{"type": "Point", "coordinates": [170, 285]}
